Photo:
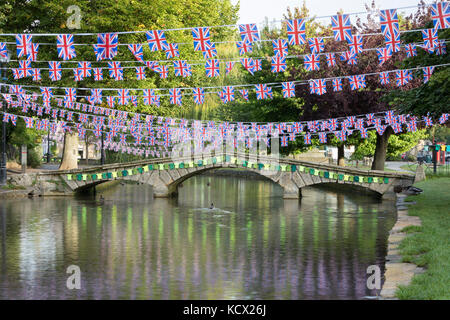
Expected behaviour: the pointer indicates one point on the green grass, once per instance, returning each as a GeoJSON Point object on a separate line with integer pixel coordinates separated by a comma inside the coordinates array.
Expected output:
{"type": "Point", "coordinates": [429, 246]}
{"type": "Point", "coordinates": [443, 171]}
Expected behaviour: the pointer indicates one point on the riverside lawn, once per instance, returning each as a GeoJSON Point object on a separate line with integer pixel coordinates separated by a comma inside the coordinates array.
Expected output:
{"type": "Point", "coordinates": [429, 246]}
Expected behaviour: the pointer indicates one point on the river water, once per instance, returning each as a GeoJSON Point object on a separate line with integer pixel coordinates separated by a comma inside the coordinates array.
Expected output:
{"type": "Point", "coordinates": [253, 245]}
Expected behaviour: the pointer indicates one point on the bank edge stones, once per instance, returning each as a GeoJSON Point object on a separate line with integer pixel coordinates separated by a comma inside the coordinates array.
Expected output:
{"type": "Point", "coordinates": [244, 164]}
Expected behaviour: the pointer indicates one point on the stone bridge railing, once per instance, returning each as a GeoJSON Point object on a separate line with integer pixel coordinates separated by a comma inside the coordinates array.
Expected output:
{"type": "Point", "coordinates": [165, 174]}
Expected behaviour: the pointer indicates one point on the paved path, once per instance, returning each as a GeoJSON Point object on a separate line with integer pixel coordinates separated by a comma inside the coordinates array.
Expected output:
{"type": "Point", "coordinates": [395, 165]}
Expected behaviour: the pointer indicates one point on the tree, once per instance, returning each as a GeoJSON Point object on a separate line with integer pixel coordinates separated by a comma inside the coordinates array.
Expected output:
{"type": "Point", "coordinates": [344, 103]}
{"type": "Point", "coordinates": [19, 16]}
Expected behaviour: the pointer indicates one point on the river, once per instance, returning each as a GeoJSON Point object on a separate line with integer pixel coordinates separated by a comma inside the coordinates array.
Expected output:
{"type": "Point", "coordinates": [253, 245]}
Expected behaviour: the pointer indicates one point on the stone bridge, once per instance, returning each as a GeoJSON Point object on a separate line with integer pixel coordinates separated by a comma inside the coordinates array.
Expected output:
{"type": "Point", "coordinates": [165, 174]}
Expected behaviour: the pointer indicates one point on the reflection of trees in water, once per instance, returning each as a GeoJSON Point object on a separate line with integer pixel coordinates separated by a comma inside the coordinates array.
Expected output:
{"type": "Point", "coordinates": [319, 247]}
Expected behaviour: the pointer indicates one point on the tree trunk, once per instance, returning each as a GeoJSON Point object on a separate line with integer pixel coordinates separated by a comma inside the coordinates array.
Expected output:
{"type": "Point", "coordinates": [70, 152]}
{"type": "Point", "coordinates": [341, 155]}
{"type": "Point", "coordinates": [379, 157]}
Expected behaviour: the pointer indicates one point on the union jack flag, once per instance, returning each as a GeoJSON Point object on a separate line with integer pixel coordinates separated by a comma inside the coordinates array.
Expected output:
{"type": "Point", "coordinates": [199, 95]}
{"type": "Point", "coordinates": [249, 32]}
{"type": "Point", "coordinates": [280, 47]}
{"type": "Point", "coordinates": [278, 63]}
{"type": "Point", "coordinates": [440, 12]}
{"type": "Point", "coordinates": [411, 126]}
{"type": "Point", "coordinates": [229, 66]}
{"type": "Point", "coordinates": [97, 95]}
{"type": "Point", "coordinates": [115, 70]}
{"type": "Point", "coordinates": [440, 48]}
{"type": "Point", "coordinates": [342, 28]}
{"type": "Point", "coordinates": [33, 51]}
{"type": "Point", "coordinates": [361, 81]}
{"type": "Point", "coordinates": [137, 51]}
{"type": "Point", "coordinates": [444, 118]}
{"type": "Point", "coordinates": [364, 133]}
{"type": "Point", "coordinates": [16, 73]}
{"type": "Point", "coordinates": [316, 45]}
{"type": "Point", "coordinates": [36, 74]}
{"type": "Point", "coordinates": [284, 141]}
{"type": "Point", "coordinates": [322, 137]}
{"type": "Point", "coordinates": [390, 117]}
{"type": "Point", "coordinates": [307, 138]}
{"type": "Point", "coordinates": [77, 75]}
{"type": "Point", "coordinates": [244, 94]}
{"type": "Point", "coordinates": [106, 47]}
{"type": "Point", "coordinates": [212, 68]}
{"type": "Point", "coordinates": [356, 44]}
{"type": "Point", "coordinates": [71, 94]}
{"type": "Point", "coordinates": [228, 93]}
{"type": "Point", "coordinates": [3, 50]}
{"type": "Point", "coordinates": [288, 89]}
{"type": "Point", "coordinates": [111, 100]}
{"type": "Point", "coordinates": [384, 54]}
{"type": "Point", "coordinates": [411, 50]}
{"type": "Point", "coordinates": [430, 38]}
{"type": "Point", "coordinates": [201, 38]}
{"type": "Point", "coordinates": [46, 92]}
{"type": "Point", "coordinates": [123, 96]}
{"type": "Point", "coordinates": [163, 71]}
{"type": "Point", "coordinates": [28, 122]}
{"type": "Point", "coordinates": [85, 68]}
{"type": "Point", "coordinates": [427, 72]}
{"type": "Point", "coordinates": [25, 68]}
{"type": "Point", "coordinates": [149, 96]}
{"type": "Point", "coordinates": [312, 62]}
{"type": "Point", "coordinates": [337, 84]}
{"type": "Point", "coordinates": [258, 64]}
{"type": "Point", "coordinates": [370, 118]}
{"type": "Point", "coordinates": [156, 40]}
{"type": "Point", "coordinates": [318, 86]}
{"type": "Point", "coordinates": [296, 31]}
{"type": "Point", "coordinates": [65, 47]}
{"type": "Point", "coordinates": [140, 73]}
{"type": "Point", "coordinates": [389, 21]}
{"type": "Point", "coordinates": [152, 65]}
{"type": "Point", "coordinates": [244, 47]}
{"type": "Point", "coordinates": [98, 74]}
{"type": "Point", "coordinates": [172, 51]}
{"type": "Point", "coordinates": [428, 121]}
{"type": "Point", "coordinates": [354, 83]}
{"type": "Point", "coordinates": [331, 59]}
{"type": "Point", "coordinates": [402, 77]}
{"type": "Point", "coordinates": [175, 96]}
{"type": "Point", "coordinates": [263, 92]}
{"type": "Point", "coordinates": [384, 78]}
{"type": "Point", "coordinates": [23, 43]}
{"type": "Point", "coordinates": [211, 51]}
{"type": "Point", "coordinates": [248, 64]}
{"type": "Point", "coordinates": [392, 41]}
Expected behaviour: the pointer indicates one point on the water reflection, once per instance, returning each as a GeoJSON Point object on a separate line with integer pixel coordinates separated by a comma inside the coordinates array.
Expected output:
{"type": "Point", "coordinates": [255, 245]}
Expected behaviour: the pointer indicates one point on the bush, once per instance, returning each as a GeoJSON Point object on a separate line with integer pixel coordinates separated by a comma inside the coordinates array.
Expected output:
{"type": "Point", "coordinates": [33, 158]}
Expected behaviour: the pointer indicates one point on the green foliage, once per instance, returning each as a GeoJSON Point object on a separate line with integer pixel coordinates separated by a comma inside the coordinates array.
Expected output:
{"type": "Point", "coordinates": [432, 97]}
{"type": "Point", "coordinates": [397, 144]}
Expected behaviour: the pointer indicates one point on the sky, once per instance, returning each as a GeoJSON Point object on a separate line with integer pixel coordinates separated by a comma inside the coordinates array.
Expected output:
{"type": "Point", "coordinates": [254, 11]}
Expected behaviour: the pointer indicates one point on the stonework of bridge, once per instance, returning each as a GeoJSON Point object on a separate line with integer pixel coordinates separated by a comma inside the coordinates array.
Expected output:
{"type": "Point", "coordinates": [165, 174]}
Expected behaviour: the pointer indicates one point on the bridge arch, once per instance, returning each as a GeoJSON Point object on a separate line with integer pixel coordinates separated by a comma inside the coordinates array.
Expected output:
{"type": "Point", "coordinates": [164, 175]}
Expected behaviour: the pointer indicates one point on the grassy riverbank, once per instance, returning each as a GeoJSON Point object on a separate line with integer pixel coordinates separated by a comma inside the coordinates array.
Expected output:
{"type": "Point", "coordinates": [429, 246]}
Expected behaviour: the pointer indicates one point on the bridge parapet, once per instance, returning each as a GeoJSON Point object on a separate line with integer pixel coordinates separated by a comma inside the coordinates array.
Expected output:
{"type": "Point", "coordinates": [164, 175]}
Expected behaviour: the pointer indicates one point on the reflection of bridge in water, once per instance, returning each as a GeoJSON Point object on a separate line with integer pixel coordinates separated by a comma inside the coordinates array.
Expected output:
{"type": "Point", "coordinates": [143, 248]}
{"type": "Point", "coordinates": [165, 174]}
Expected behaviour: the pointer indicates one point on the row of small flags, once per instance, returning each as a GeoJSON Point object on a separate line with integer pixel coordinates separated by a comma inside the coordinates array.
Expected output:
{"type": "Point", "coordinates": [107, 43]}
{"type": "Point", "coordinates": [226, 94]}
{"type": "Point", "coordinates": [283, 130]}
{"type": "Point", "coordinates": [212, 66]}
